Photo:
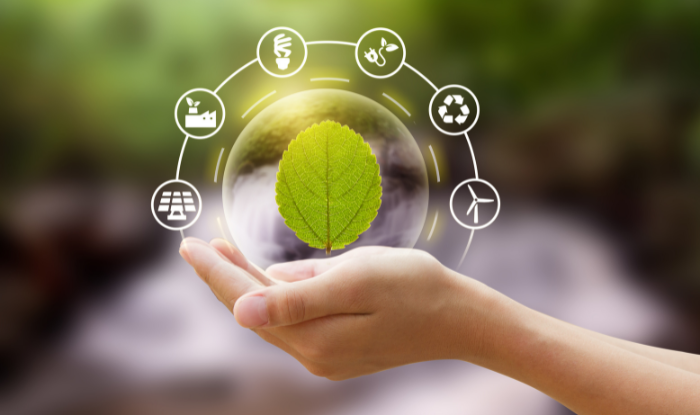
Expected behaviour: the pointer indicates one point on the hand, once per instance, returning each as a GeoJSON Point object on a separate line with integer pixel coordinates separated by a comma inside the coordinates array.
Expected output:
{"type": "Point", "coordinates": [364, 311]}
{"type": "Point", "coordinates": [375, 308]}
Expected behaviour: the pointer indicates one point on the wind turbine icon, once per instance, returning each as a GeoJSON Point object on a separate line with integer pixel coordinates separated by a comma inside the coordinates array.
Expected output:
{"type": "Point", "coordinates": [475, 204]}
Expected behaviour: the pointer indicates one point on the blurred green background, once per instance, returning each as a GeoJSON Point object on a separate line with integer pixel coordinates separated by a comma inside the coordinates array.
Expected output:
{"type": "Point", "coordinates": [587, 107]}
{"type": "Point", "coordinates": [96, 77]}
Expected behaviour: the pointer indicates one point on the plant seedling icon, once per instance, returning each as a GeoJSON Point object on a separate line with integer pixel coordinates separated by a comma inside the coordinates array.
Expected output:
{"type": "Point", "coordinates": [475, 204]}
{"type": "Point", "coordinates": [373, 56]}
{"type": "Point", "coordinates": [193, 105]}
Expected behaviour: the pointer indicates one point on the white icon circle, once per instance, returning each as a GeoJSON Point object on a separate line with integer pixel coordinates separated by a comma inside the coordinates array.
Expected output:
{"type": "Point", "coordinates": [357, 53]}
{"type": "Point", "coordinates": [169, 205]}
{"type": "Point", "coordinates": [498, 204]}
{"type": "Point", "coordinates": [464, 110]}
{"type": "Point", "coordinates": [218, 127]}
{"type": "Point", "coordinates": [281, 45]}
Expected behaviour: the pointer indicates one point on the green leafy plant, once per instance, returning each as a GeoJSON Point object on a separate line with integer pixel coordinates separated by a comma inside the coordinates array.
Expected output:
{"type": "Point", "coordinates": [328, 186]}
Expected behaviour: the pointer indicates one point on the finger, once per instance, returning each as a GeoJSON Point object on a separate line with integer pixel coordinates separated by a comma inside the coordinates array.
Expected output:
{"type": "Point", "coordinates": [335, 292]}
{"type": "Point", "coordinates": [237, 258]}
{"type": "Point", "coordinates": [230, 252]}
{"type": "Point", "coordinates": [309, 268]}
{"type": "Point", "coordinates": [301, 270]}
{"type": "Point", "coordinates": [225, 279]}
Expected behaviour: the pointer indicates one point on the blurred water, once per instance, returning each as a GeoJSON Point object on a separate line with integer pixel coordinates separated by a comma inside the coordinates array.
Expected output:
{"type": "Point", "coordinates": [165, 344]}
{"type": "Point", "coordinates": [589, 129]}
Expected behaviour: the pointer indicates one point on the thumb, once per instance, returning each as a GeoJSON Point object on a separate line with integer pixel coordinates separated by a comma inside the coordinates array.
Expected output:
{"type": "Point", "coordinates": [293, 303]}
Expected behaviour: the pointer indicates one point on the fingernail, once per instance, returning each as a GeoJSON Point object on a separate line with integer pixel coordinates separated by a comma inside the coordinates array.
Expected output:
{"type": "Point", "coordinates": [252, 311]}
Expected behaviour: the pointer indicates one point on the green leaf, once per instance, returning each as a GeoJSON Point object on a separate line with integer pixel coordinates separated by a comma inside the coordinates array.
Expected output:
{"type": "Point", "coordinates": [328, 186]}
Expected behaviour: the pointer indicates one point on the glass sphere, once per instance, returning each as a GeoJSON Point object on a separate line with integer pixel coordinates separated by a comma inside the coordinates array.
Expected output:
{"type": "Point", "coordinates": [252, 215]}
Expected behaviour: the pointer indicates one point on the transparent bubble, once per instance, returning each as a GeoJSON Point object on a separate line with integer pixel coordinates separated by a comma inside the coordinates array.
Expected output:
{"type": "Point", "coordinates": [257, 227]}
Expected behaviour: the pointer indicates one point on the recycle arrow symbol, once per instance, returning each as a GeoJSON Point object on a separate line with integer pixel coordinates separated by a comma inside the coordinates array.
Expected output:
{"type": "Point", "coordinates": [462, 118]}
{"type": "Point", "coordinates": [449, 119]}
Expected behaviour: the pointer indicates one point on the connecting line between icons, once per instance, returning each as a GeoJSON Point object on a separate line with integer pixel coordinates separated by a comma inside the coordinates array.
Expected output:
{"type": "Point", "coordinates": [471, 150]}
{"type": "Point", "coordinates": [179, 162]}
{"type": "Point", "coordinates": [464, 255]}
{"type": "Point", "coordinates": [182, 233]}
{"type": "Point", "coordinates": [421, 75]}
{"type": "Point", "coordinates": [234, 74]}
{"type": "Point", "coordinates": [397, 103]}
{"type": "Point", "coordinates": [330, 42]}
{"type": "Point", "coordinates": [256, 104]}
{"type": "Point", "coordinates": [334, 42]}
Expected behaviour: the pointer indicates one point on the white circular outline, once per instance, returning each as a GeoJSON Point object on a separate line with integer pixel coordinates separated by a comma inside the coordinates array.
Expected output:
{"type": "Point", "coordinates": [262, 65]}
{"type": "Point", "coordinates": [498, 204]}
{"type": "Point", "coordinates": [153, 210]}
{"type": "Point", "coordinates": [403, 63]}
{"type": "Point", "coordinates": [223, 113]}
{"type": "Point", "coordinates": [430, 109]}
{"type": "Point", "coordinates": [357, 49]}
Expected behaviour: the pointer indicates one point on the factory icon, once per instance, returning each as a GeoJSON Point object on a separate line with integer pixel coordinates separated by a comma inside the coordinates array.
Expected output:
{"type": "Point", "coordinates": [195, 120]}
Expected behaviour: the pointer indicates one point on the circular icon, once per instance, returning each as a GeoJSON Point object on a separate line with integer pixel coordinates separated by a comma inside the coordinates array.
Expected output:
{"type": "Point", "coordinates": [380, 53]}
{"type": "Point", "coordinates": [454, 109]}
{"type": "Point", "coordinates": [174, 205]}
{"type": "Point", "coordinates": [282, 52]}
{"type": "Point", "coordinates": [199, 118]}
{"type": "Point", "coordinates": [479, 193]}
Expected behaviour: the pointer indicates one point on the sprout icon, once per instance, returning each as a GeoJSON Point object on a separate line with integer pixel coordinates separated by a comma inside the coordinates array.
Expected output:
{"type": "Point", "coordinates": [281, 46]}
{"type": "Point", "coordinates": [193, 105]}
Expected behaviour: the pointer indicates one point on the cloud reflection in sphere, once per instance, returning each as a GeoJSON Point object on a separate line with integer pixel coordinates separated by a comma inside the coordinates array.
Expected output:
{"type": "Point", "coordinates": [257, 227]}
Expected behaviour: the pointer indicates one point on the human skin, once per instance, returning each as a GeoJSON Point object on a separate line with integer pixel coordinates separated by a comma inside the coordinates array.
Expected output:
{"type": "Point", "coordinates": [375, 308]}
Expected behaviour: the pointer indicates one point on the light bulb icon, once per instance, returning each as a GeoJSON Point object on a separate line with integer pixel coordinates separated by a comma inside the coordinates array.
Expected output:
{"type": "Point", "coordinates": [281, 47]}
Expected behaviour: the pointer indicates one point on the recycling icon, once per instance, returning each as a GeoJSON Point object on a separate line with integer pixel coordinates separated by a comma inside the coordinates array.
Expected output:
{"type": "Point", "coordinates": [444, 112]}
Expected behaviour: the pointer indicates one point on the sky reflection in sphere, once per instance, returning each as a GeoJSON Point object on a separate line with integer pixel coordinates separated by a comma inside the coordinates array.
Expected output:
{"type": "Point", "coordinates": [252, 216]}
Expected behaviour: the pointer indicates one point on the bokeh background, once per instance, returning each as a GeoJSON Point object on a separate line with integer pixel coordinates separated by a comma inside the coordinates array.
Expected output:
{"type": "Point", "coordinates": [589, 128]}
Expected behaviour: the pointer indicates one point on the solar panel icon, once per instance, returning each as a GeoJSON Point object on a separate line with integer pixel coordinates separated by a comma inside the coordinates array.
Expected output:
{"type": "Point", "coordinates": [175, 206]}
{"type": "Point", "coordinates": [177, 203]}
{"type": "Point", "coordinates": [176, 213]}
{"type": "Point", "coordinates": [164, 202]}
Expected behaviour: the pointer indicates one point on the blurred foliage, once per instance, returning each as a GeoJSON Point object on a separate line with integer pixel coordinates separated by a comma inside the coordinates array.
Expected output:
{"type": "Point", "coordinates": [591, 101]}
{"type": "Point", "coordinates": [99, 77]}
{"type": "Point", "coordinates": [587, 105]}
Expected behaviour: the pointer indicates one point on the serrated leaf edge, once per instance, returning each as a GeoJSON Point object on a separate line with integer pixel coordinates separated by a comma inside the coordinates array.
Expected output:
{"type": "Point", "coordinates": [340, 245]}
